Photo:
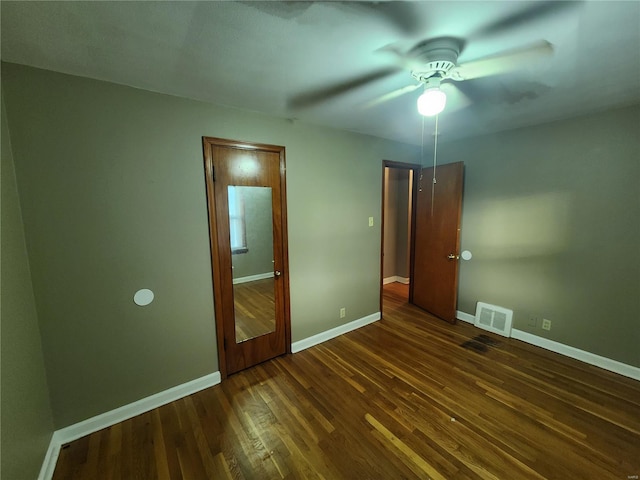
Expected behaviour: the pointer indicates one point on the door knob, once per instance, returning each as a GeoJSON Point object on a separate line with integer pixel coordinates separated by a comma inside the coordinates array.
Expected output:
{"type": "Point", "coordinates": [277, 273]}
{"type": "Point", "coordinates": [452, 256]}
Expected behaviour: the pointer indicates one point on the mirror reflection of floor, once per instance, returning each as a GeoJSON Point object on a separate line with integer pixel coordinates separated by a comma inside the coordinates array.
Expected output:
{"type": "Point", "coordinates": [255, 308]}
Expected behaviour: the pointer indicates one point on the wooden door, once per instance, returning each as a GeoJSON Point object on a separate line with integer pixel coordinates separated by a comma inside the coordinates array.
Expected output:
{"type": "Point", "coordinates": [248, 232]}
{"type": "Point", "coordinates": [434, 284]}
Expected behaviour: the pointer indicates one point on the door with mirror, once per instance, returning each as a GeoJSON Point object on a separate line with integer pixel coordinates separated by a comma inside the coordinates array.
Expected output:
{"type": "Point", "coordinates": [247, 218]}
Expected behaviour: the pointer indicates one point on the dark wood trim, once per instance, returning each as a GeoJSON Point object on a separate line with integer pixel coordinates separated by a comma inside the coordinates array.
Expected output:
{"type": "Point", "coordinates": [285, 251]}
{"type": "Point", "coordinates": [224, 142]}
{"type": "Point", "coordinates": [216, 272]}
{"type": "Point", "coordinates": [394, 164]}
{"type": "Point", "coordinates": [415, 168]}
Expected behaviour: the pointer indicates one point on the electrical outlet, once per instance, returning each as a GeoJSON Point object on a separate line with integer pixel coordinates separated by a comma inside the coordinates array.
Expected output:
{"type": "Point", "coordinates": [546, 324]}
{"type": "Point", "coordinates": [533, 321]}
{"type": "Point", "coordinates": [371, 221]}
{"type": "Point", "coordinates": [343, 312]}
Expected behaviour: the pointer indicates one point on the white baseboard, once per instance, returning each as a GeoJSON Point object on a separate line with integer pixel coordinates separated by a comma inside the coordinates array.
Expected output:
{"type": "Point", "coordinates": [107, 419]}
{"type": "Point", "coordinates": [566, 350]}
{"type": "Point", "coordinates": [252, 278]}
{"type": "Point", "coordinates": [332, 333]}
{"type": "Point", "coordinates": [50, 459]}
{"type": "Point", "coordinates": [586, 357]}
{"type": "Point", "coordinates": [396, 278]}
{"type": "Point", "coordinates": [465, 317]}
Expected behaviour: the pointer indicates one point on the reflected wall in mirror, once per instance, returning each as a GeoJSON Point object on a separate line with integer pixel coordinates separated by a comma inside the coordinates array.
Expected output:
{"type": "Point", "coordinates": [251, 235]}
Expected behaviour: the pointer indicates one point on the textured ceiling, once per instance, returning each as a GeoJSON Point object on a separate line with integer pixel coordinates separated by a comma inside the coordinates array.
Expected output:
{"type": "Point", "coordinates": [259, 55]}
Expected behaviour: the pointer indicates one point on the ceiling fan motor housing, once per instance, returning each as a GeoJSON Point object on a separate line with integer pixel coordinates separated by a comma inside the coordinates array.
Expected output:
{"type": "Point", "coordinates": [440, 56]}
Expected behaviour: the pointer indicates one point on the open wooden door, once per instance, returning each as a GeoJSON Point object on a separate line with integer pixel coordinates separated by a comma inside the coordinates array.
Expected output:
{"type": "Point", "coordinates": [248, 231]}
{"type": "Point", "coordinates": [436, 250]}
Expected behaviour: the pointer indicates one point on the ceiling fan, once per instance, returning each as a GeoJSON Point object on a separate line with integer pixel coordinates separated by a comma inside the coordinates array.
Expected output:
{"type": "Point", "coordinates": [433, 63]}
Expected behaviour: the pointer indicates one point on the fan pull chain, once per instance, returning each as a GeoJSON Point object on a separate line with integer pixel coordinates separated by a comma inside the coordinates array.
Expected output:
{"type": "Point", "coordinates": [421, 157]}
{"type": "Point", "coordinates": [435, 156]}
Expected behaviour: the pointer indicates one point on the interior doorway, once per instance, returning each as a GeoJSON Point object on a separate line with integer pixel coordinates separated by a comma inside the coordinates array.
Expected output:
{"type": "Point", "coordinates": [398, 198]}
{"type": "Point", "coordinates": [423, 214]}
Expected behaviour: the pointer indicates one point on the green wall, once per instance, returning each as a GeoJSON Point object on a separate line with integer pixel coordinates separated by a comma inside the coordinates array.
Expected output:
{"type": "Point", "coordinates": [27, 423]}
{"type": "Point", "coordinates": [112, 190]}
{"type": "Point", "coordinates": [552, 216]}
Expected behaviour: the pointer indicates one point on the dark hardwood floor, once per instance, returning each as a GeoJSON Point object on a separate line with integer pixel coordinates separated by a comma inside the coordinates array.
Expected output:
{"type": "Point", "coordinates": [407, 397]}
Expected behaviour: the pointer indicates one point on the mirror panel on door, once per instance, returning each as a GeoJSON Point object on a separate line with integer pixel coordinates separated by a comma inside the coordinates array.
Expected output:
{"type": "Point", "coordinates": [251, 239]}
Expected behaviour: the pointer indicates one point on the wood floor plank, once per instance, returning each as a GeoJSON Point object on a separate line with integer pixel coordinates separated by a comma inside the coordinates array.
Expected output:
{"type": "Point", "coordinates": [162, 465]}
{"type": "Point", "coordinates": [418, 464]}
{"type": "Point", "coordinates": [407, 397]}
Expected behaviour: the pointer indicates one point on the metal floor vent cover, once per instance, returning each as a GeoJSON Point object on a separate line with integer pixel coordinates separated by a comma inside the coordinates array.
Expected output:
{"type": "Point", "coordinates": [494, 319]}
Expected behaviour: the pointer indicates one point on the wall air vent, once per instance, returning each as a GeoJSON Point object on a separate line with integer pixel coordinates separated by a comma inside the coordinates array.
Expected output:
{"type": "Point", "coordinates": [494, 319]}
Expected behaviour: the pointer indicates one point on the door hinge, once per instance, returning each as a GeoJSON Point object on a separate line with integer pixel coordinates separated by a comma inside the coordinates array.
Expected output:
{"type": "Point", "coordinates": [224, 343]}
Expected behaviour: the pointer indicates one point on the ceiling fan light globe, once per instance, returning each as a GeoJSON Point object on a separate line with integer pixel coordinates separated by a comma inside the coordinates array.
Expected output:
{"type": "Point", "coordinates": [432, 102]}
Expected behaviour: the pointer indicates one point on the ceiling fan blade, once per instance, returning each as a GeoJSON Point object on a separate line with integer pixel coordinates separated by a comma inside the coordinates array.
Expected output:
{"type": "Point", "coordinates": [475, 91]}
{"type": "Point", "coordinates": [286, 10]}
{"type": "Point", "coordinates": [314, 97]}
{"type": "Point", "coordinates": [401, 15]}
{"type": "Point", "coordinates": [503, 62]}
{"type": "Point", "coordinates": [537, 11]}
{"type": "Point", "coordinates": [401, 59]}
{"type": "Point", "coordinates": [485, 91]}
{"type": "Point", "coordinates": [456, 98]}
{"type": "Point", "coordinates": [390, 96]}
